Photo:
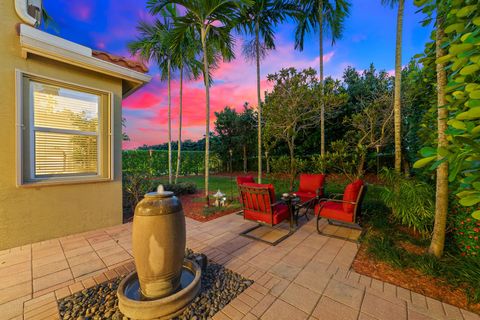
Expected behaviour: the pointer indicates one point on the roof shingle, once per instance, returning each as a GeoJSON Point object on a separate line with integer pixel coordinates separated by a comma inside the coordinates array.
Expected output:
{"type": "Point", "coordinates": [121, 61]}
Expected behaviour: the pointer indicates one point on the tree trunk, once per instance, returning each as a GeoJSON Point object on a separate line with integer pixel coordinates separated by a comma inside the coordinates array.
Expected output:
{"type": "Point", "coordinates": [207, 121]}
{"type": "Point", "coordinates": [169, 124]}
{"type": "Point", "coordinates": [291, 147]}
{"type": "Point", "coordinates": [397, 108]}
{"type": "Point", "coordinates": [267, 160]}
{"type": "Point", "coordinates": [244, 158]}
{"type": "Point", "coordinates": [180, 109]}
{"type": "Point", "coordinates": [441, 198]}
{"type": "Point", "coordinates": [322, 106]}
{"type": "Point", "coordinates": [259, 99]}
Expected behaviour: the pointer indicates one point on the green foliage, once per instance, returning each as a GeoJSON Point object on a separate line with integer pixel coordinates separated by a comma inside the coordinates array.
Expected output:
{"type": "Point", "coordinates": [410, 200]}
{"type": "Point", "coordinates": [458, 272]}
{"type": "Point", "coordinates": [155, 163]}
{"type": "Point", "coordinates": [181, 188]}
{"type": "Point", "coordinates": [259, 21]}
{"type": "Point", "coordinates": [334, 14]}
{"type": "Point", "coordinates": [466, 230]}
{"type": "Point", "coordinates": [463, 66]}
{"type": "Point", "coordinates": [135, 185]}
{"type": "Point", "coordinates": [346, 159]}
{"type": "Point", "coordinates": [236, 132]}
{"type": "Point", "coordinates": [291, 108]}
{"type": "Point", "coordinates": [282, 164]}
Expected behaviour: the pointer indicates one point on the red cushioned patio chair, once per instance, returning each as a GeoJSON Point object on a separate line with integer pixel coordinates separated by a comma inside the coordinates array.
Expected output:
{"type": "Point", "coordinates": [242, 180]}
{"type": "Point", "coordinates": [345, 212]}
{"type": "Point", "coordinates": [311, 189]}
{"type": "Point", "coordinates": [259, 205]}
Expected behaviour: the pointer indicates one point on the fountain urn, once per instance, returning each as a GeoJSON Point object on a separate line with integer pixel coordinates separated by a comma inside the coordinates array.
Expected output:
{"type": "Point", "coordinates": [158, 240]}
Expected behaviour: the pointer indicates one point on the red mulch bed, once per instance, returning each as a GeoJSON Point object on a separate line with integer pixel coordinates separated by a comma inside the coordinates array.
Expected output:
{"type": "Point", "coordinates": [193, 208]}
{"type": "Point", "coordinates": [412, 279]}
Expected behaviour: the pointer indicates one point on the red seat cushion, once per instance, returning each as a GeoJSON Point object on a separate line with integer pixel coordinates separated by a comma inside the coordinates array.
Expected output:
{"type": "Point", "coordinates": [351, 195]}
{"type": "Point", "coordinates": [270, 187]}
{"type": "Point", "coordinates": [305, 196]}
{"type": "Point", "coordinates": [311, 182]}
{"type": "Point", "coordinates": [280, 213]}
{"type": "Point", "coordinates": [334, 211]}
{"type": "Point", "coordinates": [245, 179]}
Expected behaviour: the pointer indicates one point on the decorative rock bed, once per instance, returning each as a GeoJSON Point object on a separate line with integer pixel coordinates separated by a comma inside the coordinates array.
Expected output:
{"type": "Point", "coordinates": [219, 287]}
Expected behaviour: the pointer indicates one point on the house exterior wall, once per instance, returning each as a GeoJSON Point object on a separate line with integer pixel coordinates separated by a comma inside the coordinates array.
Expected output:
{"type": "Point", "coordinates": [30, 214]}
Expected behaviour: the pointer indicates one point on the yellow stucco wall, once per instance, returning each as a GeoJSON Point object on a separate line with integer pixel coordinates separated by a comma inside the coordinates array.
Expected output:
{"type": "Point", "coordinates": [32, 214]}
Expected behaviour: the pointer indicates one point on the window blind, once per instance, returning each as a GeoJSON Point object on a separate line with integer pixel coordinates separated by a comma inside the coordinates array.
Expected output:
{"type": "Point", "coordinates": [65, 131]}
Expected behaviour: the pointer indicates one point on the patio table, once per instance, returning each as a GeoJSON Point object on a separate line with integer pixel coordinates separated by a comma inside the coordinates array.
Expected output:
{"type": "Point", "coordinates": [291, 201]}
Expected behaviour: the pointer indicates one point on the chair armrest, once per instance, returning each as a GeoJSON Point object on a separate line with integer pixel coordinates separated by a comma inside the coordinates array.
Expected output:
{"type": "Point", "coordinates": [336, 200]}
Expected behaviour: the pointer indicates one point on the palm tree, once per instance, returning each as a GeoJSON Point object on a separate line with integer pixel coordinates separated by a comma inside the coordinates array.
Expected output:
{"type": "Point", "coordinates": [441, 198]}
{"type": "Point", "coordinates": [321, 15]}
{"type": "Point", "coordinates": [211, 21]}
{"type": "Point", "coordinates": [259, 20]}
{"type": "Point", "coordinates": [153, 43]}
{"type": "Point", "coordinates": [397, 107]}
{"type": "Point", "coordinates": [184, 58]}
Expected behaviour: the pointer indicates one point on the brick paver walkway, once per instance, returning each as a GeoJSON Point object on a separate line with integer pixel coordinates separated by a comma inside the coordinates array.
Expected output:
{"type": "Point", "coordinates": [307, 276]}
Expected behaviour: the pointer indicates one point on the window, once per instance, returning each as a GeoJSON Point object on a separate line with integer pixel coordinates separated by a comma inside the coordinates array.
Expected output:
{"type": "Point", "coordinates": [65, 132]}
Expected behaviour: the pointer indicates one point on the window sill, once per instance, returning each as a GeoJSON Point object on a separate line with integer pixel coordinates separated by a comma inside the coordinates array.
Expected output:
{"type": "Point", "coordinates": [51, 183]}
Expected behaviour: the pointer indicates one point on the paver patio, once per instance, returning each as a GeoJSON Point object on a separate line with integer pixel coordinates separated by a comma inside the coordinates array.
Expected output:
{"type": "Point", "coordinates": [307, 276]}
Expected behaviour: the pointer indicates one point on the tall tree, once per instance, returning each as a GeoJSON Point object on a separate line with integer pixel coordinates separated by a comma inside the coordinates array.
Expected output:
{"type": "Point", "coordinates": [185, 59]}
{"type": "Point", "coordinates": [397, 104]}
{"type": "Point", "coordinates": [259, 21]}
{"type": "Point", "coordinates": [291, 108]}
{"type": "Point", "coordinates": [441, 197]}
{"type": "Point", "coordinates": [321, 15]}
{"type": "Point", "coordinates": [153, 44]}
{"type": "Point", "coordinates": [211, 21]}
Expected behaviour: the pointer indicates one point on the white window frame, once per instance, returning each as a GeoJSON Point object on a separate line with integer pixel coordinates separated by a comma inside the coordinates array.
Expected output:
{"type": "Point", "coordinates": [29, 179]}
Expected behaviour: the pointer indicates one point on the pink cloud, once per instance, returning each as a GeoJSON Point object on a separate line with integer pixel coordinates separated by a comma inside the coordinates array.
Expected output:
{"type": "Point", "coordinates": [141, 100]}
{"type": "Point", "coordinates": [81, 10]}
{"type": "Point", "coordinates": [234, 84]}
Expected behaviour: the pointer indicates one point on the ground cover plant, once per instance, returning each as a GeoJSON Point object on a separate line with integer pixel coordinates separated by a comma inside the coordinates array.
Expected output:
{"type": "Point", "coordinates": [395, 254]}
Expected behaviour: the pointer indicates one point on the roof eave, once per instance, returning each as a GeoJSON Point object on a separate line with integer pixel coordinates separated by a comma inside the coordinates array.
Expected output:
{"type": "Point", "coordinates": [37, 42]}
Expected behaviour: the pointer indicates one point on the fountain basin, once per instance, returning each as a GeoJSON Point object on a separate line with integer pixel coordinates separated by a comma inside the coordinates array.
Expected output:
{"type": "Point", "coordinates": [133, 305]}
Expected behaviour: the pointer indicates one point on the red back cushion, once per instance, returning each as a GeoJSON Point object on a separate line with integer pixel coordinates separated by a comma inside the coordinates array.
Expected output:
{"type": "Point", "coordinates": [245, 179]}
{"type": "Point", "coordinates": [351, 194]}
{"type": "Point", "coordinates": [270, 187]}
{"type": "Point", "coordinates": [311, 182]}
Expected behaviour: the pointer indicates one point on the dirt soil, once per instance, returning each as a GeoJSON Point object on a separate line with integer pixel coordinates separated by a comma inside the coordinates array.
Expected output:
{"type": "Point", "coordinates": [412, 279]}
{"type": "Point", "coordinates": [193, 208]}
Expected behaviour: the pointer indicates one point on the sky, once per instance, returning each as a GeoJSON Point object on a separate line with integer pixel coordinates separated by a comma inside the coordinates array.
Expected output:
{"type": "Point", "coordinates": [109, 25]}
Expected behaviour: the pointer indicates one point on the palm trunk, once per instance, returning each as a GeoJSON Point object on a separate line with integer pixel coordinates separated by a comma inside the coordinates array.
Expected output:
{"type": "Point", "coordinates": [207, 97]}
{"type": "Point", "coordinates": [397, 108]}
{"type": "Point", "coordinates": [322, 106]}
{"type": "Point", "coordinates": [180, 109]}
{"type": "Point", "coordinates": [259, 99]}
{"type": "Point", "coordinates": [441, 198]}
{"type": "Point", "coordinates": [169, 125]}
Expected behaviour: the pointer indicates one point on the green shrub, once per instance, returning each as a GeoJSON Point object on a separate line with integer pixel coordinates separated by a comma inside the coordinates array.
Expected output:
{"type": "Point", "coordinates": [135, 186]}
{"type": "Point", "coordinates": [318, 164]}
{"type": "Point", "coordinates": [155, 162]}
{"type": "Point", "coordinates": [466, 230]}
{"type": "Point", "coordinates": [410, 200]}
{"type": "Point", "coordinates": [181, 188]}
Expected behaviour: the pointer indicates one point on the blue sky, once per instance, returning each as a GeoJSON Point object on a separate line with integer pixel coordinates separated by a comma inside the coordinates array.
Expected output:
{"type": "Point", "coordinates": [108, 25]}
